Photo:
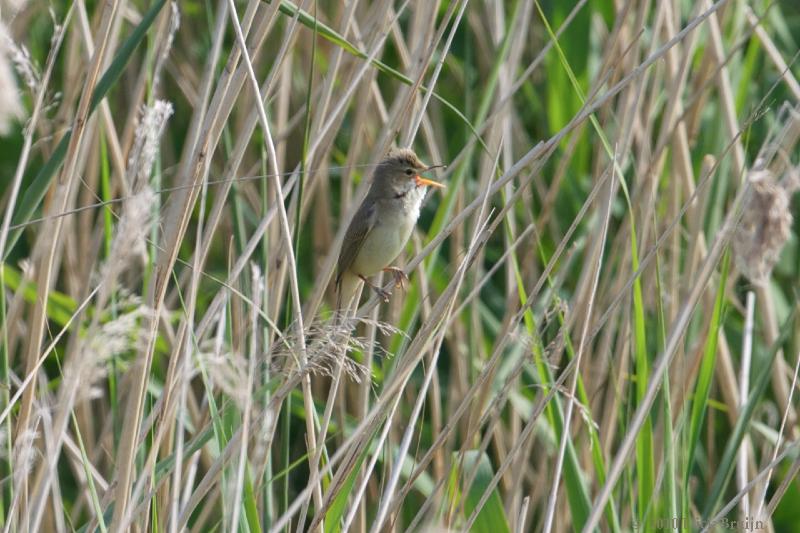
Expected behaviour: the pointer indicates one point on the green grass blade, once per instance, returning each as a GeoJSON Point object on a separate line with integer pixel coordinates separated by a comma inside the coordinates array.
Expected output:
{"type": "Point", "coordinates": [645, 453]}
{"type": "Point", "coordinates": [85, 462]}
{"type": "Point", "coordinates": [250, 506]}
{"type": "Point", "coordinates": [59, 307]}
{"type": "Point", "coordinates": [491, 517]}
{"type": "Point", "coordinates": [728, 461]}
{"type": "Point", "coordinates": [706, 374]}
{"type": "Point", "coordinates": [335, 513]}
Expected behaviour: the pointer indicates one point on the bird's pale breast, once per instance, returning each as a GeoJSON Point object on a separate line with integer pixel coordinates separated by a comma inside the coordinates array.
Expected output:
{"type": "Point", "coordinates": [389, 235]}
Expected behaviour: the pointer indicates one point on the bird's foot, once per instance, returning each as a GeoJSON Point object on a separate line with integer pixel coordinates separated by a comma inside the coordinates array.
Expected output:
{"type": "Point", "coordinates": [400, 277]}
{"type": "Point", "coordinates": [383, 294]}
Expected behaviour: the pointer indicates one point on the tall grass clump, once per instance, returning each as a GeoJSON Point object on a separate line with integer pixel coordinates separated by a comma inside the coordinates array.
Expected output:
{"type": "Point", "coordinates": [600, 332]}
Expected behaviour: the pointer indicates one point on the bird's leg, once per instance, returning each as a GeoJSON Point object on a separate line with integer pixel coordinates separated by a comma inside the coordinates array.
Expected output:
{"type": "Point", "coordinates": [379, 291]}
{"type": "Point", "coordinates": [400, 277]}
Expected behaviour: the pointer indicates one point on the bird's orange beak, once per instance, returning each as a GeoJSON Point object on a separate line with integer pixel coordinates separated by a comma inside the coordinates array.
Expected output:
{"type": "Point", "coordinates": [425, 182]}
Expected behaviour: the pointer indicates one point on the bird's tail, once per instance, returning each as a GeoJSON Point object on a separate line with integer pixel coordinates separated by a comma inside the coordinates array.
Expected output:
{"type": "Point", "coordinates": [346, 293]}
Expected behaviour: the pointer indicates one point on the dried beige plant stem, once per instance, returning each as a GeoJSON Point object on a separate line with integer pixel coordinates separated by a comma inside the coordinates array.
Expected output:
{"type": "Point", "coordinates": [764, 484]}
{"type": "Point", "coordinates": [726, 90]}
{"type": "Point", "coordinates": [772, 52]}
{"type": "Point", "coordinates": [663, 362]}
{"type": "Point", "coordinates": [178, 377]}
{"type": "Point", "coordinates": [204, 91]}
{"type": "Point", "coordinates": [258, 288]}
{"type": "Point", "coordinates": [413, 127]}
{"type": "Point", "coordinates": [146, 87]}
{"type": "Point", "coordinates": [30, 381]}
{"type": "Point", "coordinates": [130, 233]}
{"type": "Point", "coordinates": [597, 256]}
{"type": "Point", "coordinates": [232, 166]}
{"type": "Point", "coordinates": [774, 153]}
{"type": "Point", "coordinates": [47, 247]}
{"type": "Point", "coordinates": [462, 382]}
{"type": "Point", "coordinates": [51, 459]}
{"type": "Point", "coordinates": [330, 81]}
{"type": "Point", "coordinates": [682, 163]}
{"type": "Point", "coordinates": [288, 250]}
{"type": "Point", "coordinates": [117, 156]}
{"type": "Point", "coordinates": [207, 123]}
{"type": "Point", "coordinates": [175, 226]}
{"type": "Point", "coordinates": [172, 22]}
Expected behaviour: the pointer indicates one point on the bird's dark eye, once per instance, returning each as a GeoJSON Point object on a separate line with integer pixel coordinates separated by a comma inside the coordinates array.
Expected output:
{"type": "Point", "coordinates": [409, 171]}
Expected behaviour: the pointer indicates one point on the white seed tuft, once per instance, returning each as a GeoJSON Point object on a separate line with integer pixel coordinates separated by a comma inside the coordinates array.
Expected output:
{"type": "Point", "coordinates": [765, 226]}
{"type": "Point", "coordinates": [11, 109]}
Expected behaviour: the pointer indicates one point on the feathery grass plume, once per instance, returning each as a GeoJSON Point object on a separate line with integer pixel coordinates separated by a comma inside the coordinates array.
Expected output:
{"type": "Point", "coordinates": [10, 102]}
{"type": "Point", "coordinates": [227, 371]}
{"type": "Point", "coordinates": [25, 451]}
{"type": "Point", "coordinates": [174, 24]}
{"type": "Point", "coordinates": [326, 342]}
{"type": "Point", "coordinates": [791, 180]}
{"type": "Point", "coordinates": [23, 458]}
{"type": "Point", "coordinates": [765, 226]}
{"type": "Point", "coordinates": [134, 225]}
{"type": "Point", "coordinates": [146, 141]}
{"type": "Point", "coordinates": [112, 339]}
{"type": "Point", "coordinates": [128, 249]}
{"type": "Point", "coordinates": [21, 58]}
{"type": "Point", "coordinates": [57, 26]}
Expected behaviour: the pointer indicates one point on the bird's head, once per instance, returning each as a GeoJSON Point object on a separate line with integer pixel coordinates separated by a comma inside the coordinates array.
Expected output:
{"type": "Point", "coordinates": [399, 173]}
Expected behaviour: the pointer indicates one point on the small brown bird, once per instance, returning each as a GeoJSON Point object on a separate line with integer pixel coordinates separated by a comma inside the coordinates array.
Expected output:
{"type": "Point", "coordinates": [383, 223]}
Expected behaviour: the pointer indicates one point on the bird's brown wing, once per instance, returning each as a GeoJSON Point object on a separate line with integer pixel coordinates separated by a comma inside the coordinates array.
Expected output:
{"type": "Point", "coordinates": [362, 223]}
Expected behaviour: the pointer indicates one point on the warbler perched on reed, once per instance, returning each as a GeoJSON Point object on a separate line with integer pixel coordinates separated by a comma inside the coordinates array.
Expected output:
{"type": "Point", "coordinates": [383, 223]}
